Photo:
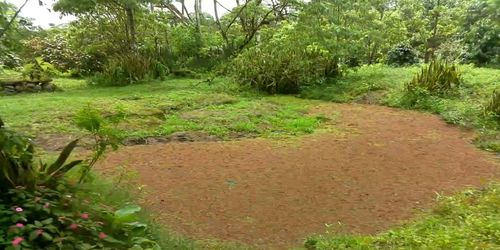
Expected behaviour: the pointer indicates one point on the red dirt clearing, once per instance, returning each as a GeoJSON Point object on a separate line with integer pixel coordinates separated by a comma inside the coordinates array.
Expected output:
{"type": "Point", "coordinates": [270, 194]}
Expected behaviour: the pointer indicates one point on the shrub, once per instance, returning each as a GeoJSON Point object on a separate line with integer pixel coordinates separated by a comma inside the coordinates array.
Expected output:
{"type": "Point", "coordinates": [39, 209]}
{"type": "Point", "coordinates": [493, 105]}
{"type": "Point", "coordinates": [283, 65]}
{"type": "Point", "coordinates": [39, 70]}
{"type": "Point", "coordinates": [438, 78]}
{"type": "Point", "coordinates": [8, 59]}
{"type": "Point", "coordinates": [402, 55]}
{"type": "Point", "coordinates": [124, 69]}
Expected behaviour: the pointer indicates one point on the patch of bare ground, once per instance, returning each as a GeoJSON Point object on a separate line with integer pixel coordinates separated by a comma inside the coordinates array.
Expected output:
{"type": "Point", "coordinates": [271, 194]}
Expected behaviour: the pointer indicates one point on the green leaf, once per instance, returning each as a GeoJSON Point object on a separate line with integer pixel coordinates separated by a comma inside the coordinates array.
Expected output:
{"type": "Point", "coordinates": [47, 221]}
{"type": "Point", "coordinates": [47, 236]}
{"type": "Point", "coordinates": [62, 157]}
{"type": "Point", "coordinates": [127, 213]}
{"type": "Point", "coordinates": [33, 235]}
{"type": "Point", "coordinates": [38, 224]}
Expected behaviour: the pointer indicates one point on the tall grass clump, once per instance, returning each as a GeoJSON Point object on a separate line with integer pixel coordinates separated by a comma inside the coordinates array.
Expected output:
{"type": "Point", "coordinates": [493, 105]}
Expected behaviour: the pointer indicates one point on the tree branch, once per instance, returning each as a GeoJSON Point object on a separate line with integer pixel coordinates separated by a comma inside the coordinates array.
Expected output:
{"type": "Point", "coordinates": [4, 30]}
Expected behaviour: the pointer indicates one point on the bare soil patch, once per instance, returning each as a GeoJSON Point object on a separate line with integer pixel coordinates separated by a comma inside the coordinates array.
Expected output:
{"type": "Point", "coordinates": [271, 194]}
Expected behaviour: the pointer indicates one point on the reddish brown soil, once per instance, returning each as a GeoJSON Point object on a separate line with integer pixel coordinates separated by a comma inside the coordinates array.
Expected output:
{"type": "Point", "coordinates": [386, 167]}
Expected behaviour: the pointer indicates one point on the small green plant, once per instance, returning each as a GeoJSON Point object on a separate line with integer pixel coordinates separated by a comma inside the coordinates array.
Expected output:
{"type": "Point", "coordinates": [493, 105]}
{"type": "Point", "coordinates": [18, 166]}
{"type": "Point", "coordinates": [39, 70]}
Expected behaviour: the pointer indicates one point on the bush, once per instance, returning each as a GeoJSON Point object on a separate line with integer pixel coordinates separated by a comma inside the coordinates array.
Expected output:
{"type": "Point", "coordinates": [125, 69]}
{"type": "Point", "coordinates": [39, 70]}
{"type": "Point", "coordinates": [402, 55]}
{"type": "Point", "coordinates": [40, 209]}
{"type": "Point", "coordinates": [279, 65]}
{"type": "Point", "coordinates": [438, 78]}
{"type": "Point", "coordinates": [493, 105]}
{"type": "Point", "coordinates": [9, 60]}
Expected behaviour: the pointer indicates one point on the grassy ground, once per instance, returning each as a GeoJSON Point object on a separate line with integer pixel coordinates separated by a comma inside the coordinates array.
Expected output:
{"type": "Point", "coordinates": [470, 220]}
{"type": "Point", "coordinates": [379, 84]}
{"type": "Point", "coordinates": [162, 108]}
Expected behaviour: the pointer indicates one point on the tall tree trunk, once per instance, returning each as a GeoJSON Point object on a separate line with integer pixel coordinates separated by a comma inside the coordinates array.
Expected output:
{"type": "Point", "coordinates": [197, 13]}
{"type": "Point", "coordinates": [432, 41]}
{"type": "Point", "coordinates": [131, 27]}
{"type": "Point", "coordinates": [7, 27]}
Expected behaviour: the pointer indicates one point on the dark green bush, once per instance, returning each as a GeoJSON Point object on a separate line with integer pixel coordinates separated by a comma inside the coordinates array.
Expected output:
{"type": "Point", "coordinates": [402, 55]}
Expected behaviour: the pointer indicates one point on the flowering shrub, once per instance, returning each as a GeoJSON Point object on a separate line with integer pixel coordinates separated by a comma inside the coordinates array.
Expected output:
{"type": "Point", "coordinates": [58, 219]}
{"type": "Point", "coordinates": [40, 209]}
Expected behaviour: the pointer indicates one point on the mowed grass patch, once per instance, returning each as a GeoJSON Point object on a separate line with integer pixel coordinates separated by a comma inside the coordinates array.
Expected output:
{"type": "Point", "coordinates": [161, 109]}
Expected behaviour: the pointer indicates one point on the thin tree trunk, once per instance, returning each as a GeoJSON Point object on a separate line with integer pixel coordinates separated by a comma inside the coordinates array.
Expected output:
{"type": "Point", "coordinates": [217, 20]}
{"type": "Point", "coordinates": [6, 28]}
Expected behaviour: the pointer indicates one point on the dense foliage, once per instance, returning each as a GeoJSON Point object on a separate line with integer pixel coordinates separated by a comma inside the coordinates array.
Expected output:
{"type": "Point", "coordinates": [274, 46]}
{"type": "Point", "coordinates": [402, 55]}
{"type": "Point", "coordinates": [41, 209]}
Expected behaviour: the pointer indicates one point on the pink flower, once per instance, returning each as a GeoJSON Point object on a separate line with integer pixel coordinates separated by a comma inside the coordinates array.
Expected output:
{"type": "Point", "coordinates": [73, 226]}
{"type": "Point", "coordinates": [17, 241]}
{"type": "Point", "coordinates": [46, 205]}
{"type": "Point", "coordinates": [19, 209]}
{"type": "Point", "coordinates": [39, 232]}
{"type": "Point", "coordinates": [19, 225]}
{"type": "Point", "coordinates": [102, 235]}
{"type": "Point", "coordinates": [84, 216]}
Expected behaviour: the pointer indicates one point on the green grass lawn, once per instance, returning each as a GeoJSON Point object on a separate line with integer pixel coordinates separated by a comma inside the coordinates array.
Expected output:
{"type": "Point", "coordinates": [384, 85]}
{"type": "Point", "coordinates": [162, 108]}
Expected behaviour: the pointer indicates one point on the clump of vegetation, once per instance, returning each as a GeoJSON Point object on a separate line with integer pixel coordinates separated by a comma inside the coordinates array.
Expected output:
{"type": "Point", "coordinates": [124, 70]}
{"type": "Point", "coordinates": [40, 208]}
{"type": "Point", "coordinates": [468, 220]}
{"type": "Point", "coordinates": [283, 66]}
{"type": "Point", "coordinates": [436, 79]}
{"type": "Point", "coordinates": [493, 105]}
{"type": "Point", "coordinates": [39, 70]}
{"type": "Point", "coordinates": [402, 55]}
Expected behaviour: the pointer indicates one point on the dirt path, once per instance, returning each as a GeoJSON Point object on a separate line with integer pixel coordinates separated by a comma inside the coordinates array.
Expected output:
{"type": "Point", "coordinates": [388, 165]}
